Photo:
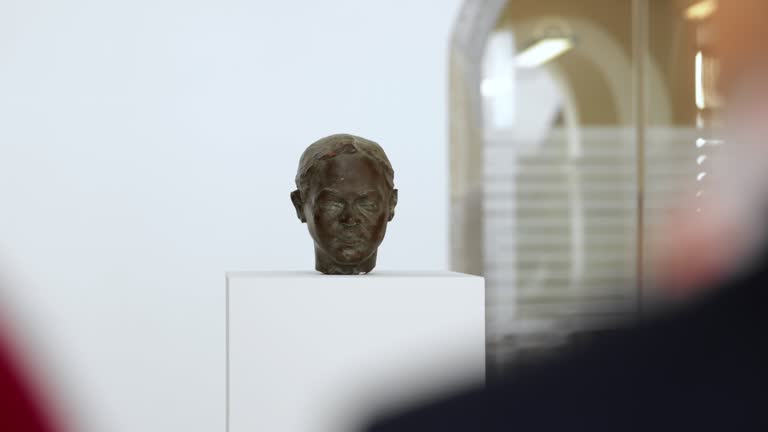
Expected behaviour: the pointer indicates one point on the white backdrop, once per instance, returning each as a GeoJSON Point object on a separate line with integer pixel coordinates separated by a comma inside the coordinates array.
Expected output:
{"type": "Point", "coordinates": [147, 146]}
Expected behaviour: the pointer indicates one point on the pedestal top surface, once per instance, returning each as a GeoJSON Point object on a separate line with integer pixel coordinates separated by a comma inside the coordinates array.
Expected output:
{"type": "Point", "coordinates": [374, 274]}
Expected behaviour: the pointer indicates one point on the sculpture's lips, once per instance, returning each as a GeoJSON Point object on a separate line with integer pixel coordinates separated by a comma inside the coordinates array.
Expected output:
{"type": "Point", "coordinates": [350, 239]}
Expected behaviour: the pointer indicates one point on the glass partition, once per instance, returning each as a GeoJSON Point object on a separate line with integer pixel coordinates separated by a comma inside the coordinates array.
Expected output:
{"type": "Point", "coordinates": [595, 122]}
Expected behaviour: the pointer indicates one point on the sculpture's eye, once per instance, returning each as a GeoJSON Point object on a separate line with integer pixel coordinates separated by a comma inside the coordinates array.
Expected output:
{"type": "Point", "coordinates": [366, 204]}
{"type": "Point", "coordinates": [332, 205]}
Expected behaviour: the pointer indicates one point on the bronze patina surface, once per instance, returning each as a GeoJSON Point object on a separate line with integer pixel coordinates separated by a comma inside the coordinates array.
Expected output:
{"type": "Point", "coordinates": [346, 196]}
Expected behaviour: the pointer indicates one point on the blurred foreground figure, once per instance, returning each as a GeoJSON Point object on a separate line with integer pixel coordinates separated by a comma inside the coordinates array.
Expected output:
{"type": "Point", "coordinates": [20, 410]}
{"type": "Point", "coordinates": [703, 368]}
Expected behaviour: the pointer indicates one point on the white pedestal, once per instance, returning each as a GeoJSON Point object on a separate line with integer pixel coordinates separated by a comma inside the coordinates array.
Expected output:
{"type": "Point", "coordinates": [312, 353]}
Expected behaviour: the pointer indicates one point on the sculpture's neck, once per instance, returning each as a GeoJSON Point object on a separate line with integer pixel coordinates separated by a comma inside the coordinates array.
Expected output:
{"type": "Point", "coordinates": [324, 264]}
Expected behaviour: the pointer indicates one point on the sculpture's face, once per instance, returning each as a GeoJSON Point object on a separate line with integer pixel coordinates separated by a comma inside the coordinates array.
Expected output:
{"type": "Point", "coordinates": [347, 208]}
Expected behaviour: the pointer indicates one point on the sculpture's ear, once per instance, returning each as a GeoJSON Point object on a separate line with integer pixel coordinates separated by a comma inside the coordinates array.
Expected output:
{"type": "Point", "coordinates": [392, 203]}
{"type": "Point", "coordinates": [298, 204]}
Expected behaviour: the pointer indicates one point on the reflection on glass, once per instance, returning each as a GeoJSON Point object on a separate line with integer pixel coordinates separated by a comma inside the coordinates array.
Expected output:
{"type": "Point", "coordinates": [560, 184]}
{"type": "Point", "coordinates": [588, 119]}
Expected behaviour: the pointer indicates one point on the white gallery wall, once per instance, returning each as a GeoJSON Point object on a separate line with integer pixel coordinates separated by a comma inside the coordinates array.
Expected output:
{"type": "Point", "coordinates": [148, 146]}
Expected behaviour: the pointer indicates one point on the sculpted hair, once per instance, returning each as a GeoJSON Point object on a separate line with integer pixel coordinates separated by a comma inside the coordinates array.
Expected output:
{"type": "Point", "coordinates": [334, 145]}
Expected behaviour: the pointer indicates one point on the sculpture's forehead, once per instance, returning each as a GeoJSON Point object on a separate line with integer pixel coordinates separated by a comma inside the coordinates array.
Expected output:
{"type": "Point", "coordinates": [348, 171]}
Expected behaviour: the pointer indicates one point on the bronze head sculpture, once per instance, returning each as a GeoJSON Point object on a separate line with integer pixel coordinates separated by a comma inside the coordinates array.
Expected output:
{"type": "Point", "coordinates": [346, 196]}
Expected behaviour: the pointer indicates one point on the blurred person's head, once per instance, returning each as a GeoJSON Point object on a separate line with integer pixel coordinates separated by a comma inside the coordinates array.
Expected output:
{"type": "Point", "coordinates": [700, 249]}
{"type": "Point", "coordinates": [346, 196]}
{"type": "Point", "coordinates": [741, 36]}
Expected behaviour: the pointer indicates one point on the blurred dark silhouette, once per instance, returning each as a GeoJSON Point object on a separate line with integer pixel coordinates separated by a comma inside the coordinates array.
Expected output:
{"type": "Point", "coordinates": [705, 368]}
{"type": "Point", "coordinates": [20, 406]}
{"type": "Point", "coordinates": [701, 367]}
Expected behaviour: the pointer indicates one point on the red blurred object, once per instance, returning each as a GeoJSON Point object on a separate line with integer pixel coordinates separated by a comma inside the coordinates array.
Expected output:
{"type": "Point", "coordinates": [21, 409]}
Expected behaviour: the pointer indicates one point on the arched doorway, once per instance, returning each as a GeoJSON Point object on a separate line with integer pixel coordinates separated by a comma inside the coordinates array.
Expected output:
{"type": "Point", "coordinates": [549, 206]}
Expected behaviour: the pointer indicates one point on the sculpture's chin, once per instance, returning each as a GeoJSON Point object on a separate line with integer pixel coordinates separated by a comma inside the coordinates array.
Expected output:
{"type": "Point", "coordinates": [345, 262]}
{"type": "Point", "coordinates": [343, 270]}
{"type": "Point", "coordinates": [350, 256]}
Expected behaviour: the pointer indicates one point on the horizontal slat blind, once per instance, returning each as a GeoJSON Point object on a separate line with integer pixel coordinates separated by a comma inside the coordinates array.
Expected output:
{"type": "Point", "coordinates": [561, 227]}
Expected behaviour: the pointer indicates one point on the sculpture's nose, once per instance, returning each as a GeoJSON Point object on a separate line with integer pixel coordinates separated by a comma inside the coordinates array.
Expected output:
{"type": "Point", "coordinates": [350, 216]}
